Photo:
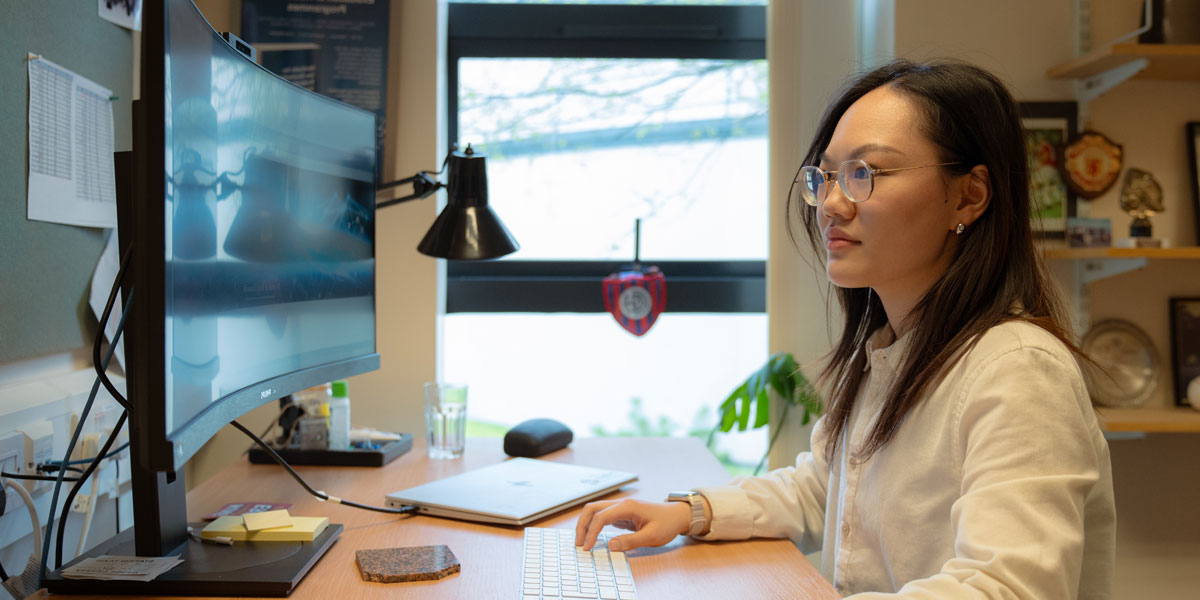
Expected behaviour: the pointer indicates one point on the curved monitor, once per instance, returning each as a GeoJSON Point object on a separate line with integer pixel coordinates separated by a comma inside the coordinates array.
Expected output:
{"type": "Point", "coordinates": [253, 225]}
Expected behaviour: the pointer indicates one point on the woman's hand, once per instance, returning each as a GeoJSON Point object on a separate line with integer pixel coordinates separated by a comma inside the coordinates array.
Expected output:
{"type": "Point", "coordinates": [653, 523]}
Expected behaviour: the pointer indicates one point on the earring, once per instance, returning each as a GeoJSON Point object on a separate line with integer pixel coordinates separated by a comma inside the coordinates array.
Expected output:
{"type": "Point", "coordinates": [961, 228]}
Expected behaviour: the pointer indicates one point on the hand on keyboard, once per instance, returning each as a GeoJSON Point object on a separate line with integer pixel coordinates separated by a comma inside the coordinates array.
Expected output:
{"type": "Point", "coordinates": [553, 568]}
{"type": "Point", "coordinates": [653, 523]}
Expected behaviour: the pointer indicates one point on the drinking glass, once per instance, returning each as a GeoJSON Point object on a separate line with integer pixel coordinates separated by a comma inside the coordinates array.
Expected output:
{"type": "Point", "coordinates": [445, 419]}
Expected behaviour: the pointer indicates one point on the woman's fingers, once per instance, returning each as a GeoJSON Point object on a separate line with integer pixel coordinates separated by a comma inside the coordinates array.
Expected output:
{"type": "Point", "coordinates": [654, 524]}
{"type": "Point", "coordinates": [585, 518]}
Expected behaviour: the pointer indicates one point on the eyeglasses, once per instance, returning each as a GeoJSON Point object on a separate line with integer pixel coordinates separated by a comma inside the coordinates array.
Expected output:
{"type": "Point", "coordinates": [856, 178]}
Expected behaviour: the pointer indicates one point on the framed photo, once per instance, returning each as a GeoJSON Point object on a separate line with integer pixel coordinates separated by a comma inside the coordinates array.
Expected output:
{"type": "Point", "coordinates": [1193, 146]}
{"type": "Point", "coordinates": [1185, 345]}
{"type": "Point", "coordinates": [1048, 128]}
{"type": "Point", "coordinates": [1089, 233]}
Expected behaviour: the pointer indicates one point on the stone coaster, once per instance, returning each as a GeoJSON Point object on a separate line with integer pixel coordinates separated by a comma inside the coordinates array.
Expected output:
{"type": "Point", "coordinates": [414, 563]}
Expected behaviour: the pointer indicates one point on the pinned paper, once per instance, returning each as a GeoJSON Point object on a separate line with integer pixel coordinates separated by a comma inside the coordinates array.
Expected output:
{"type": "Point", "coordinates": [71, 173]}
{"type": "Point", "coordinates": [267, 520]}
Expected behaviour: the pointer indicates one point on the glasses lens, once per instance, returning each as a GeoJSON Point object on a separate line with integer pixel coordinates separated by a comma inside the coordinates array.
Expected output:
{"type": "Point", "coordinates": [855, 178]}
{"type": "Point", "coordinates": [812, 185]}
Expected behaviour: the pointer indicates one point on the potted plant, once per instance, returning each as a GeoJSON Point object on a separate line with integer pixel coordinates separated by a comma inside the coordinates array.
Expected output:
{"type": "Point", "coordinates": [751, 401]}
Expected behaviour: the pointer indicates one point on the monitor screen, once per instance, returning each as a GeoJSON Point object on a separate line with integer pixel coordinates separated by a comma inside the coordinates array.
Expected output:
{"type": "Point", "coordinates": [257, 231]}
{"type": "Point", "coordinates": [250, 212]}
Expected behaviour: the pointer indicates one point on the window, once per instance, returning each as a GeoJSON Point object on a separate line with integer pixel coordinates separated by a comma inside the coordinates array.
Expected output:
{"type": "Point", "coordinates": [592, 116]}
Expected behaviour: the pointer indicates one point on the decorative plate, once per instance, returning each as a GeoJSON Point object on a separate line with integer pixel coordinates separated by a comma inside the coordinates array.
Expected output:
{"type": "Point", "coordinates": [1091, 163]}
{"type": "Point", "coordinates": [1128, 364]}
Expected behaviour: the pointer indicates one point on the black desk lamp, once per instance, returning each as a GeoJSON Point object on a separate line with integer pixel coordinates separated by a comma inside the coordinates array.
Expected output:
{"type": "Point", "coordinates": [467, 229]}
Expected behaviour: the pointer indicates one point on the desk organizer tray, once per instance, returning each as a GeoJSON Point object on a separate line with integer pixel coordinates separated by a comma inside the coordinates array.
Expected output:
{"type": "Point", "coordinates": [355, 457]}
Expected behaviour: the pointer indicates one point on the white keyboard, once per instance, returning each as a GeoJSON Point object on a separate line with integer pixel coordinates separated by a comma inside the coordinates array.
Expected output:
{"type": "Point", "coordinates": [553, 568]}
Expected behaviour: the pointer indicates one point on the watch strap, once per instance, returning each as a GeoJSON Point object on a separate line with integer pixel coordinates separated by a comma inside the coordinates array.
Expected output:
{"type": "Point", "coordinates": [698, 523]}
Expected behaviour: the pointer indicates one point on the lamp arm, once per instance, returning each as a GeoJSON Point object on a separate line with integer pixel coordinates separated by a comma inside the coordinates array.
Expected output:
{"type": "Point", "coordinates": [424, 186]}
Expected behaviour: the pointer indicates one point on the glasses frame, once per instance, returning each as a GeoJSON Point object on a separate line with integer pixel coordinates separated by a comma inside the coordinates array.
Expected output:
{"type": "Point", "coordinates": [839, 176]}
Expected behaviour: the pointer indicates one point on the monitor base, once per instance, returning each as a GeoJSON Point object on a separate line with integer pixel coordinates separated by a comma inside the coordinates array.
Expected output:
{"type": "Point", "coordinates": [243, 569]}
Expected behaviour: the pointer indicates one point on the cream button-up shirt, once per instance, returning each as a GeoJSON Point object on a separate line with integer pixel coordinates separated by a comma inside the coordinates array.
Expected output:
{"type": "Point", "coordinates": [997, 485]}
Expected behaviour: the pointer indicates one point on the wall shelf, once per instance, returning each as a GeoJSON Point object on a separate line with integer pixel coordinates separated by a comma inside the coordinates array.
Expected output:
{"type": "Point", "coordinates": [1185, 252]}
{"type": "Point", "coordinates": [1077, 268]}
{"type": "Point", "coordinates": [1174, 62]}
{"type": "Point", "coordinates": [1150, 420]}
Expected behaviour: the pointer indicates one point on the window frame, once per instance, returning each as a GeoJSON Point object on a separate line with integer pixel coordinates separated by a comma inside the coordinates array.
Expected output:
{"type": "Point", "coordinates": [599, 31]}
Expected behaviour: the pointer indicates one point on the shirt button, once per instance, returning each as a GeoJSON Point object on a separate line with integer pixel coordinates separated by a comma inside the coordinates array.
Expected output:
{"type": "Point", "coordinates": [845, 529]}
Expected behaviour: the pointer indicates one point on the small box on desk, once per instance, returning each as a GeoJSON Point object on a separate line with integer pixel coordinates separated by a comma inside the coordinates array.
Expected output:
{"type": "Point", "coordinates": [354, 457]}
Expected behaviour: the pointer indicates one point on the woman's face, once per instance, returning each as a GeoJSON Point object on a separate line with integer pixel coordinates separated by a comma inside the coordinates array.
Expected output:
{"type": "Point", "coordinates": [899, 240]}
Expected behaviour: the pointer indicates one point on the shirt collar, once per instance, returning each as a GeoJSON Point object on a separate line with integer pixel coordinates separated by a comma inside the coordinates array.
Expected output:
{"type": "Point", "coordinates": [884, 350]}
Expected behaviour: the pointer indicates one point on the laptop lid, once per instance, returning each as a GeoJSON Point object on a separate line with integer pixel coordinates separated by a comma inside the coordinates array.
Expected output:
{"type": "Point", "coordinates": [514, 492]}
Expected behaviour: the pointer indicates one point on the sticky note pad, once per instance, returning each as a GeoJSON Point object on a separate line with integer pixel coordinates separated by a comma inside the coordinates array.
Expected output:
{"type": "Point", "coordinates": [302, 529]}
{"type": "Point", "coordinates": [267, 520]}
{"type": "Point", "coordinates": [413, 563]}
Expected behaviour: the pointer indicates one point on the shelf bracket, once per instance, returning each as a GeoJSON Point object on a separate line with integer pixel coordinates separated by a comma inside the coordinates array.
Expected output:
{"type": "Point", "coordinates": [1094, 87]}
{"type": "Point", "coordinates": [1090, 271]}
{"type": "Point", "coordinates": [1086, 272]}
{"type": "Point", "coordinates": [1116, 436]}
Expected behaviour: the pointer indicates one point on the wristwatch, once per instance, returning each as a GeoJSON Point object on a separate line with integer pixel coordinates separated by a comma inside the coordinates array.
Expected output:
{"type": "Point", "coordinates": [692, 497]}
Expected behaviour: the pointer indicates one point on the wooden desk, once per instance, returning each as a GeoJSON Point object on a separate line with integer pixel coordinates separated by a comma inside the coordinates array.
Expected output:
{"type": "Point", "coordinates": [490, 554]}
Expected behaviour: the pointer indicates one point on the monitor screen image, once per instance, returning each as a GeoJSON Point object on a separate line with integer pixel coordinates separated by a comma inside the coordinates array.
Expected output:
{"type": "Point", "coordinates": [268, 253]}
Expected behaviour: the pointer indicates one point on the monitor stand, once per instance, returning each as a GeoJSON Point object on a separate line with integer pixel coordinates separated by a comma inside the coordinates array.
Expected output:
{"type": "Point", "coordinates": [208, 569]}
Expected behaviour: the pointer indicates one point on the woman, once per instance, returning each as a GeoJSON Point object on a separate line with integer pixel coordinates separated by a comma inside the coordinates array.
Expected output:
{"type": "Point", "coordinates": [959, 455]}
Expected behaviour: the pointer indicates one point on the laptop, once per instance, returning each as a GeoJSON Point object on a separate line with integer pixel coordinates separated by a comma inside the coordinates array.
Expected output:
{"type": "Point", "coordinates": [514, 492]}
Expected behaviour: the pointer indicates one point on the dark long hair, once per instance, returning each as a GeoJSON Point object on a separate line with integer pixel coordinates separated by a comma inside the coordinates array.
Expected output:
{"type": "Point", "coordinates": [971, 119]}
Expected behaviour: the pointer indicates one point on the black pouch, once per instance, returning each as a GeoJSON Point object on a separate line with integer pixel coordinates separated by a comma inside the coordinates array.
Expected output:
{"type": "Point", "coordinates": [536, 437]}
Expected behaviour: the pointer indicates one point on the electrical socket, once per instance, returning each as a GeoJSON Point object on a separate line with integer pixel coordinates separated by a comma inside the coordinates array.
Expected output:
{"type": "Point", "coordinates": [122, 439]}
{"type": "Point", "coordinates": [39, 448]}
{"type": "Point", "coordinates": [81, 502]}
{"type": "Point", "coordinates": [88, 446]}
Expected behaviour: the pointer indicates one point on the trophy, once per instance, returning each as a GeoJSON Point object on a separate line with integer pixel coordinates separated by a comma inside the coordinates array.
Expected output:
{"type": "Point", "coordinates": [1141, 198]}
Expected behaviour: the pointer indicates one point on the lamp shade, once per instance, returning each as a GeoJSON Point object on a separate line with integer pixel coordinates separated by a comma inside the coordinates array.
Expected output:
{"type": "Point", "coordinates": [467, 229]}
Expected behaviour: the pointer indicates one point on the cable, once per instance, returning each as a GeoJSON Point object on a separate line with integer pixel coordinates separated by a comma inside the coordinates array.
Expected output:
{"type": "Point", "coordinates": [33, 515]}
{"type": "Point", "coordinates": [117, 496]}
{"type": "Point", "coordinates": [320, 495]}
{"type": "Point", "coordinates": [45, 555]}
{"type": "Point", "coordinates": [48, 467]}
{"type": "Point", "coordinates": [55, 463]}
{"type": "Point", "coordinates": [36, 477]}
{"type": "Point", "coordinates": [62, 522]}
{"type": "Point", "coordinates": [100, 368]}
{"type": "Point", "coordinates": [3, 574]}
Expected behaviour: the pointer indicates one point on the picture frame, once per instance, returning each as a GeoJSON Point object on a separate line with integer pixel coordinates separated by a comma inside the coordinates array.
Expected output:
{"type": "Point", "coordinates": [1185, 345]}
{"type": "Point", "coordinates": [1048, 128]}
{"type": "Point", "coordinates": [1193, 150]}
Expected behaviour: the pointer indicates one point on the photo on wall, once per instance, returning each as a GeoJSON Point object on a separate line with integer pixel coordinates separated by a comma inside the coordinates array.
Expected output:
{"type": "Point", "coordinates": [1185, 346]}
{"type": "Point", "coordinates": [1193, 150]}
{"type": "Point", "coordinates": [1048, 127]}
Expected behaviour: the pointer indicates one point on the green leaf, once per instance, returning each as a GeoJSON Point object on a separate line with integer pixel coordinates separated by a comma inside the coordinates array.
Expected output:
{"type": "Point", "coordinates": [743, 417]}
{"type": "Point", "coordinates": [764, 410]}
{"type": "Point", "coordinates": [729, 408]}
{"type": "Point", "coordinates": [779, 376]}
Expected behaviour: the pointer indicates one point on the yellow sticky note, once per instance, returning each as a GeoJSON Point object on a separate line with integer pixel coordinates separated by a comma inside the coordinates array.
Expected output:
{"type": "Point", "coordinates": [302, 529]}
{"type": "Point", "coordinates": [267, 520]}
